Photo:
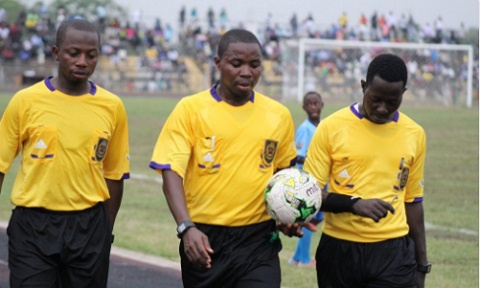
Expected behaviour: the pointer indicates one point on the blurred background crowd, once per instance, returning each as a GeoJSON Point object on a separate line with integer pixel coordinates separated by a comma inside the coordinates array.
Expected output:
{"type": "Point", "coordinates": [164, 53]}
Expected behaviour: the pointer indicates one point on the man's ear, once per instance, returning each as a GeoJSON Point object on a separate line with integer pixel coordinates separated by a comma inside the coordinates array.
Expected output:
{"type": "Point", "coordinates": [55, 52]}
{"type": "Point", "coordinates": [363, 83]}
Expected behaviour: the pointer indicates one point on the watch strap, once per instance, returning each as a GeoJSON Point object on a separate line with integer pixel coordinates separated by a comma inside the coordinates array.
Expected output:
{"type": "Point", "coordinates": [424, 268]}
{"type": "Point", "coordinates": [183, 227]}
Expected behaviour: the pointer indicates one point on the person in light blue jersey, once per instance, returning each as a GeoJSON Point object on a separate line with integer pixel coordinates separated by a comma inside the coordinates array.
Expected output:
{"type": "Point", "coordinates": [313, 105]}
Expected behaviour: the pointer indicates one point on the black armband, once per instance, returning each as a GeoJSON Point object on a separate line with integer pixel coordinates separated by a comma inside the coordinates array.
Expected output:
{"type": "Point", "coordinates": [338, 203]}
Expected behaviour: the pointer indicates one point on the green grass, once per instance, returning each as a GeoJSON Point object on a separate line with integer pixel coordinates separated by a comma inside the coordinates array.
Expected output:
{"type": "Point", "coordinates": [451, 195]}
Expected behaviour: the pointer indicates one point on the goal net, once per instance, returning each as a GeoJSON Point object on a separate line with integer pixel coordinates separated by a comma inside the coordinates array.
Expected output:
{"type": "Point", "coordinates": [438, 74]}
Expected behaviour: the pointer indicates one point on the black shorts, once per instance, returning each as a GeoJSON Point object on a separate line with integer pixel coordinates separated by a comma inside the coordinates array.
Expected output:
{"type": "Point", "coordinates": [244, 257]}
{"type": "Point", "coordinates": [389, 263]}
{"type": "Point", "coordinates": [59, 249]}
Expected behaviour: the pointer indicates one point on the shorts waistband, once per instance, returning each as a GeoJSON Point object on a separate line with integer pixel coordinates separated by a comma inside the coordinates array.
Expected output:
{"type": "Point", "coordinates": [47, 211]}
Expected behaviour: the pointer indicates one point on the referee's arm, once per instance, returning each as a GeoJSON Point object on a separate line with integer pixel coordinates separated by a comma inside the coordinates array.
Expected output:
{"type": "Point", "coordinates": [115, 188]}
{"type": "Point", "coordinates": [1, 181]}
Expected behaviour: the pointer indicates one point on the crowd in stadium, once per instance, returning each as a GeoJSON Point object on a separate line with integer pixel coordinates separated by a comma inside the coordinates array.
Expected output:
{"type": "Point", "coordinates": [159, 47]}
{"type": "Point", "coordinates": [33, 31]}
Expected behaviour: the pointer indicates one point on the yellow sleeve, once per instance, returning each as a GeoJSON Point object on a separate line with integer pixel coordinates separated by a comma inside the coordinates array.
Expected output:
{"type": "Point", "coordinates": [318, 160]}
{"type": "Point", "coordinates": [287, 150]}
{"type": "Point", "coordinates": [174, 144]}
{"type": "Point", "coordinates": [415, 184]}
{"type": "Point", "coordinates": [116, 164]}
{"type": "Point", "coordinates": [10, 134]}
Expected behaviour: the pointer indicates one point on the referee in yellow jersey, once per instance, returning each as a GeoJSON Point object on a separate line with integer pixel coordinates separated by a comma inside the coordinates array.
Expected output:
{"type": "Point", "coordinates": [216, 153]}
{"type": "Point", "coordinates": [373, 157]}
{"type": "Point", "coordinates": [73, 139]}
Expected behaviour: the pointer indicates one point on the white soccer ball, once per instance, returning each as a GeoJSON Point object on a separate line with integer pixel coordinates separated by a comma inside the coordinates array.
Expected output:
{"type": "Point", "coordinates": [293, 196]}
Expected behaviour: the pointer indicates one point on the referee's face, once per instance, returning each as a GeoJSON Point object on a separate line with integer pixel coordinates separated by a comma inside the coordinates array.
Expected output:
{"type": "Point", "coordinates": [381, 99]}
{"type": "Point", "coordinates": [240, 68]}
{"type": "Point", "coordinates": [77, 55]}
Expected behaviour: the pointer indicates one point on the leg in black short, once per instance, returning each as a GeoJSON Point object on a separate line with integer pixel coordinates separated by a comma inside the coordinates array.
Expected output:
{"type": "Point", "coordinates": [50, 249]}
{"type": "Point", "coordinates": [335, 264]}
{"type": "Point", "coordinates": [244, 256]}
{"type": "Point", "coordinates": [393, 262]}
{"type": "Point", "coordinates": [389, 263]}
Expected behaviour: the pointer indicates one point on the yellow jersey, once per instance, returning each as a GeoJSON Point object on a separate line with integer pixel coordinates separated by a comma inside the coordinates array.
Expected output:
{"type": "Point", "coordinates": [68, 144]}
{"type": "Point", "coordinates": [226, 155]}
{"type": "Point", "coordinates": [368, 160]}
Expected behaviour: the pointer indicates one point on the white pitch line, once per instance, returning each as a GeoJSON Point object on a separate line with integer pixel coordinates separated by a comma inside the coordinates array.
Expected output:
{"type": "Point", "coordinates": [430, 226]}
{"type": "Point", "coordinates": [136, 176]}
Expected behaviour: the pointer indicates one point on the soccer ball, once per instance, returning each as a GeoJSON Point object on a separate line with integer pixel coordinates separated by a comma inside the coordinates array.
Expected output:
{"type": "Point", "coordinates": [292, 196]}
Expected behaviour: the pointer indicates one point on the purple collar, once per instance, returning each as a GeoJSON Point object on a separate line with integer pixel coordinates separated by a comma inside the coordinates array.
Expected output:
{"type": "Point", "coordinates": [215, 95]}
{"type": "Point", "coordinates": [49, 85]}
{"type": "Point", "coordinates": [355, 110]}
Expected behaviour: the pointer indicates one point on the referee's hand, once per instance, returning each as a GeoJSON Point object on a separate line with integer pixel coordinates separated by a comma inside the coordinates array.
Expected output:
{"type": "Point", "coordinates": [197, 248]}
{"type": "Point", "coordinates": [374, 209]}
{"type": "Point", "coordinates": [290, 229]}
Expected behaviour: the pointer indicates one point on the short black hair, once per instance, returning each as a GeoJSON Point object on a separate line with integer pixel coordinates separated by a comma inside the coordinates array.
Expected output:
{"type": "Point", "coordinates": [77, 24]}
{"type": "Point", "coordinates": [236, 36]}
{"type": "Point", "coordinates": [389, 67]}
{"type": "Point", "coordinates": [311, 92]}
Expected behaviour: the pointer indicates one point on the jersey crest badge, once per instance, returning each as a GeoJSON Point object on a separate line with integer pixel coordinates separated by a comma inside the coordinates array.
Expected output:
{"type": "Point", "coordinates": [404, 177]}
{"type": "Point", "coordinates": [101, 149]}
{"type": "Point", "coordinates": [269, 151]}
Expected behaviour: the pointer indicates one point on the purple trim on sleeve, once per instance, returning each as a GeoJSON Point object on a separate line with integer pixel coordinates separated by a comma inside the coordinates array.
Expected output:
{"type": "Point", "coordinates": [126, 176]}
{"type": "Point", "coordinates": [156, 166]}
{"type": "Point", "coordinates": [418, 200]}
{"type": "Point", "coordinates": [213, 92]}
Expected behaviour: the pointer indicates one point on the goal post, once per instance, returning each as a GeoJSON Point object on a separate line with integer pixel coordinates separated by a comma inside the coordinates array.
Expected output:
{"type": "Point", "coordinates": [439, 74]}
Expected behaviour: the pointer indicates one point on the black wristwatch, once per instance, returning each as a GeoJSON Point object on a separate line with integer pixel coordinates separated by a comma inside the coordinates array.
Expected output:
{"type": "Point", "coordinates": [183, 227]}
{"type": "Point", "coordinates": [424, 268]}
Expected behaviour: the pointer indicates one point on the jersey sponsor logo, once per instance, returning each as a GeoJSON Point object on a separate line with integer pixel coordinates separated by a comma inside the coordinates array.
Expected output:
{"type": "Point", "coordinates": [404, 177]}
{"type": "Point", "coordinates": [101, 149]}
{"type": "Point", "coordinates": [269, 151]}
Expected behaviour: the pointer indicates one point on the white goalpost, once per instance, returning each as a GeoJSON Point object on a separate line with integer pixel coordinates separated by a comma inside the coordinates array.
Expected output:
{"type": "Point", "coordinates": [439, 74]}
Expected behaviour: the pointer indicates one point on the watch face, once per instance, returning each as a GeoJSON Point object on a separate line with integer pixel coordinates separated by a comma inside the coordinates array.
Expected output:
{"type": "Point", "coordinates": [424, 268]}
{"type": "Point", "coordinates": [180, 228]}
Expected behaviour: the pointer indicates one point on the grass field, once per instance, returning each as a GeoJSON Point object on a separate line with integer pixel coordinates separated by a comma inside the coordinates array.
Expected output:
{"type": "Point", "coordinates": [451, 196]}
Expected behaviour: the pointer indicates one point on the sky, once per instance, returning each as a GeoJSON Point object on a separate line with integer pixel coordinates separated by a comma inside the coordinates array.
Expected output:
{"type": "Point", "coordinates": [453, 12]}
{"type": "Point", "coordinates": [250, 12]}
